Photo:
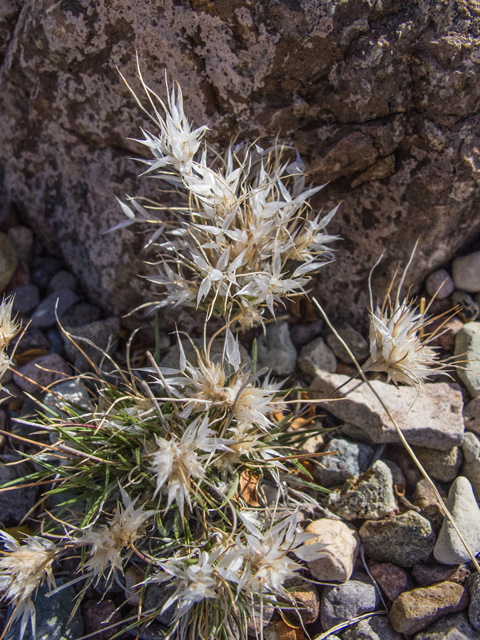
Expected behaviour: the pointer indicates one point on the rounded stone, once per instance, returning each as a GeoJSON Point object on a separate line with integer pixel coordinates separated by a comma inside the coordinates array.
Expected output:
{"type": "Point", "coordinates": [474, 608]}
{"type": "Point", "coordinates": [439, 284]}
{"type": "Point", "coordinates": [55, 305]}
{"type": "Point", "coordinates": [25, 299]}
{"type": "Point", "coordinates": [471, 416]}
{"type": "Point", "coordinates": [461, 503]}
{"type": "Point", "coordinates": [339, 553]}
{"type": "Point", "coordinates": [415, 610]}
{"type": "Point", "coordinates": [468, 308]}
{"type": "Point", "coordinates": [316, 355]}
{"type": "Point", "coordinates": [441, 465]}
{"type": "Point", "coordinates": [41, 372]}
{"type": "Point", "coordinates": [374, 628]}
{"type": "Point", "coordinates": [466, 272]}
{"type": "Point", "coordinates": [471, 464]}
{"type": "Point", "coordinates": [349, 460]}
{"type": "Point", "coordinates": [452, 627]}
{"type": "Point", "coordinates": [467, 349]}
{"type": "Point", "coordinates": [370, 496]}
{"type": "Point", "coordinates": [307, 602]}
{"type": "Point", "coordinates": [404, 540]}
{"type": "Point", "coordinates": [346, 601]}
{"type": "Point", "coordinates": [392, 579]}
{"type": "Point", "coordinates": [8, 260]}
{"type": "Point", "coordinates": [22, 239]}
{"type": "Point", "coordinates": [353, 339]}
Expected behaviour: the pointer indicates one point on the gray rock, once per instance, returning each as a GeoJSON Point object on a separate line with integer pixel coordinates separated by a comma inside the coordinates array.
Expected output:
{"type": "Point", "coordinates": [474, 608]}
{"type": "Point", "coordinates": [471, 465]}
{"type": "Point", "coordinates": [466, 272]}
{"type": "Point", "coordinates": [452, 627]}
{"type": "Point", "coordinates": [52, 616]}
{"type": "Point", "coordinates": [25, 299]}
{"type": "Point", "coordinates": [303, 333]}
{"type": "Point", "coordinates": [102, 333]}
{"type": "Point", "coordinates": [354, 340]}
{"type": "Point", "coordinates": [276, 351]}
{"type": "Point", "coordinates": [63, 280]}
{"type": "Point", "coordinates": [70, 394]}
{"type": "Point", "coordinates": [32, 339]}
{"type": "Point", "coordinates": [467, 349]}
{"type": "Point", "coordinates": [81, 314]}
{"type": "Point", "coordinates": [346, 601]}
{"type": "Point", "coordinates": [56, 342]}
{"type": "Point", "coordinates": [441, 465]}
{"type": "Point", "coordinates": [55, 304]}
{"type": "Point", "coordinates": [464, 508]}
{"type": "Point", "coordinates": [41, 372]}
{"type": "Point", "coordinates": [22, 239]}
{"type": "Point", "coordinates": [370, 496]}
{"type": "Point", "coordinates": [316, 355]}
{"type": "Point", "coordinates": [374, 628]}
{"type": "Point", "coordinates": [15, 503]}
{"type": "Point", "coordinates": [468, 308]}
{"type": "Point", "coordinates": [430, 416]}
{"type": "Point", "coordinates": [405, 540]}
{"type": "Point", "coordinates": [350, 460]}
{"type": "Point", "coordinates": [439, 284]}
{"type": "Point", "coordinates": [8, 261]}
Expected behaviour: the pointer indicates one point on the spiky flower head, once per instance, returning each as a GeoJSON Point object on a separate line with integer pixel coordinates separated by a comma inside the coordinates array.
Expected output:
{"type": "Point", "coordinates": [23, 568]}
{"type": "Point", "coordinates": [9, 327]}
{"type": "Point", "coordinates": [400, 345]}
{"type": "Point", "coordinates": [108, 541]}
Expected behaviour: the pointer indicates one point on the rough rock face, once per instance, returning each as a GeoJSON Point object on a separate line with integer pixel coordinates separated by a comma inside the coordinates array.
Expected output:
{"type": "Point", "coordinates": [381, 99]}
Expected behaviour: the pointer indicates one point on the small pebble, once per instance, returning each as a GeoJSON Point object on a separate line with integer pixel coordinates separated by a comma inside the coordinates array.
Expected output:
{"type": "Point", "coordinates": [316, 355]}
{"type": "Point", "coordinates": [464, 508]}
{"type": "Point", "coordinates": [471, 465]}
{"type": "Point", "coordinates": [81, 314]}
{"type": "Point", "coordinates": [455, 626]}
{"type": "Point", "coordinates": [102, 333]}
{"type": "Point", "coordinates": [424, 497]}
{"type": "Point", "coordinates": [370, 496]}
{"type": "Point", "coordinates": [415, 610]}
{"type": "Point", "coordinates": [339, 553]}
{"type": "Point", "coordinates": [279, 630]}
{"type": "Point", "coordinates": [374, 628]}
{"type": "Point", "coordinates": [404, 540]}
{"type": "Point", "coordinates": [15, 504]}
{"type": "Point", "coordinates": [352, 338]}
{"type": "Point", "coordinates": [346, 601]}
{"type": "Point", "coordinates": [467, 349]}
{"type": "Point", "coordinates": [392, 579]}
{"type": "Point", "coordinates": [100, 614]}
{"type": "Point", "coordinates": [466, 272]}
{"type": "Point", "coordinates": [474, 608]}
{"type": "Point", "coordinates": [428, 574]}
{"type": "Point", "coordinates": [468, 308]}
{"type": "Point", "coordinates": [471, 416]}
{"type": "Point", "coordinates": [306, 599]}
{"type": "Point", "coordinates": [439, 284]}
{"type": "Point", "coordinates": [25, 299]}
{"type": "Point", "coordinates": [276, 351]}
{"type": "Point", "coordinates": [63, 280]}
{"type": "Point", "coordinates": [349, 461]}
{"type": "Point", "coordinates": [67, 395]}
{"type": "Point", "coordinates": [302, 333]}
{"type": "Point", "coordinates": [43, 270]}
{"type": "Point", "coordinates": [441, 465]}
{"type": "Point", "coordinates": [41, 372]}
{"type": "Point", "coordinates": [55, 304]}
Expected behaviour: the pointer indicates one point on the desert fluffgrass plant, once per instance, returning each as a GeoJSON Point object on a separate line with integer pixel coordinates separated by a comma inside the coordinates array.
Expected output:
{"type": "Point", "coordinates": [192, 475]}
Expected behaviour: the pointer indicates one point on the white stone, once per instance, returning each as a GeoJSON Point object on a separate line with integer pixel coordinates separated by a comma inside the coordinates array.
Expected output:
{"type": "Point", "coordinates": [466, 272]}
{"type": "Point", "coordinates": [461, 503]}
{"type": "Point", "coordinates": [341, 546]}
{"type": "Point", "coordinates": [317, 355]}
{"type": "Point", "coordinates": [471, 464]}
{"type": "Point", "coordinates": [430, 416]}
{"type": "Point", "coordinates": [439, 284]}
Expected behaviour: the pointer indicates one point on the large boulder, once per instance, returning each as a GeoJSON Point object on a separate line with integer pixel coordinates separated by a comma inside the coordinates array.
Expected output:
{"type": "Point", "coordinates": [380, 98]}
